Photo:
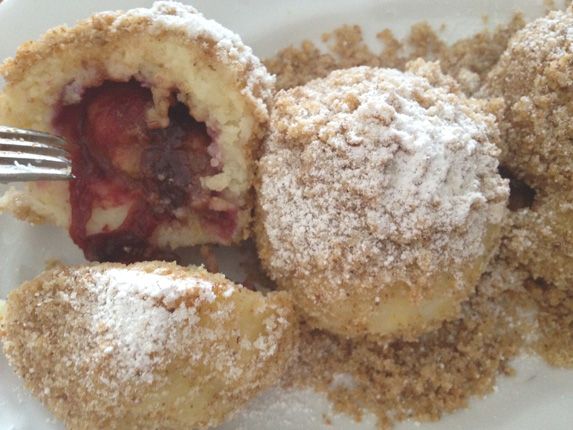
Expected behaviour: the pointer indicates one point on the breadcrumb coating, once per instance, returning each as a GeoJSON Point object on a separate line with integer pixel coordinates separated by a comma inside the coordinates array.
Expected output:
{"type": "Point", "coordinates": [542, 239]}
{"type": "Point", "coordinates": [438, 373]}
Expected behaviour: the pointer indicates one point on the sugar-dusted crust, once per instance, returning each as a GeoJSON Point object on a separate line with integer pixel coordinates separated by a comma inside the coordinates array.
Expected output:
{"type": "Point", "coordinates": [442, 371]}
{"type": "Point", "coordinates": [147, 346]}
{"type": "Point", "coordinates": [166, 19]}
{"type": "Point", "coordinates": [379, 202]}
{"type": "Point", "coordinates": [169, 47]}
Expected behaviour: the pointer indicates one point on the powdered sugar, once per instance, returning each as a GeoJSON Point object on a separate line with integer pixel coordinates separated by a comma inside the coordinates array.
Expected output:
{"type": "Point", "coordinates": [374, 169]}
{"type": "Point", "coordinates": [154, 285]}
{"type": "Point", "coordinates": [130, 322]}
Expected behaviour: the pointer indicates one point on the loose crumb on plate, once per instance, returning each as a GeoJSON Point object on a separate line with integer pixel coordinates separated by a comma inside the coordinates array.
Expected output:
{"type": "Point", "coordinates": [468, 60]}
{"type": "Point", "coordinates": [421, 379]}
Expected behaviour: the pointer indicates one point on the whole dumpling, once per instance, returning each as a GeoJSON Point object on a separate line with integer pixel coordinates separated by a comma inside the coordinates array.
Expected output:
{"type": "Point", "coordinates": [379, 201]}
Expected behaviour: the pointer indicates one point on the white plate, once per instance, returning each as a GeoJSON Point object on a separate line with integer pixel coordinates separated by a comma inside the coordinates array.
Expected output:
{"type": "Point", "coordinates": [538, 397]}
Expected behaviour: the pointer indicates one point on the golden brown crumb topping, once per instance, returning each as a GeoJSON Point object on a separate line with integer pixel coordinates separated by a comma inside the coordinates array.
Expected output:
{"type": "Point", "coordinates": [163, 18]}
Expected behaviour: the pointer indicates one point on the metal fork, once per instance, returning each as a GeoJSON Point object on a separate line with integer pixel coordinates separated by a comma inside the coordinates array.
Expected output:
{"type": "Point", "coordinates": [28, 155]}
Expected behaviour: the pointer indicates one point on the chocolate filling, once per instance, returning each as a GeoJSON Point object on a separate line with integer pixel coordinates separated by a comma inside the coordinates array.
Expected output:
{"type": "Point", "coordinates": [119, 161]}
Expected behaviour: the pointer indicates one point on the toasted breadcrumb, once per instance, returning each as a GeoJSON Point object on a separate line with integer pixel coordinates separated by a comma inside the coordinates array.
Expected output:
{"type": "Point", "coordinates": [555, 343]}
{"type": "Point", "coordinates": [535, 77]}
{"type": "Point", "coordinates": [472, 57]}
{"type": "Point", "coordinates": [437, 373]}
{"type": "Point", "coordinates": [419, 380]}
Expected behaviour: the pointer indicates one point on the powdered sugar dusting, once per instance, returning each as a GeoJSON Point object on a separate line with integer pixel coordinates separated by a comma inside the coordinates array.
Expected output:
{"type": "Point", "coordinates": [376, 169]}
{"type": "Point", "coordinates": [154, 285]}
{"type": "Point", "coordinates": [131, 323]}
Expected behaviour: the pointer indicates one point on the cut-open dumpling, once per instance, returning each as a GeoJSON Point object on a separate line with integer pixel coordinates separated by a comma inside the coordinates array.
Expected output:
{"type": "Point", "coordinates": [163, 110]}
{"type": "Point", "coordinates": [146, 346]}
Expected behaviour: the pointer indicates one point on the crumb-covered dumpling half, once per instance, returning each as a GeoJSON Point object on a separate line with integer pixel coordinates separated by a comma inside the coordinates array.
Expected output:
{"type": "Point", "coordinates": [379, 202]}
{"type": "Point", "coordinates": [146, 346]}
{"type": "Point", "coordinates": [535, 78]}
{"type": "Point", "coordinates": [163, 111]}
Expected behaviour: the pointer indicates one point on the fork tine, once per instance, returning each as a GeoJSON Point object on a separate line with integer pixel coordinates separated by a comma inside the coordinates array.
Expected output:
{"type": "Point", "coordinates": [31, 141]}
{"type": "Point", "coordinates": [12, 133]}
{"type": "Point", "coordinates": [28, 155]}
{"type": "Point", "coordinates": [29, 170]}
{"type": "Point", "coordinates": [13, 174]}
{"type": "Point", "coordinates": [7, 157]}
{"type": "Point", "coordinates": [33, 147]}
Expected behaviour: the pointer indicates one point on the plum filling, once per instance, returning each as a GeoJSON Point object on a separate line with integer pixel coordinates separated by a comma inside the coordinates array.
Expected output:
{"type": "Point", "coordinates": [131, 178]}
